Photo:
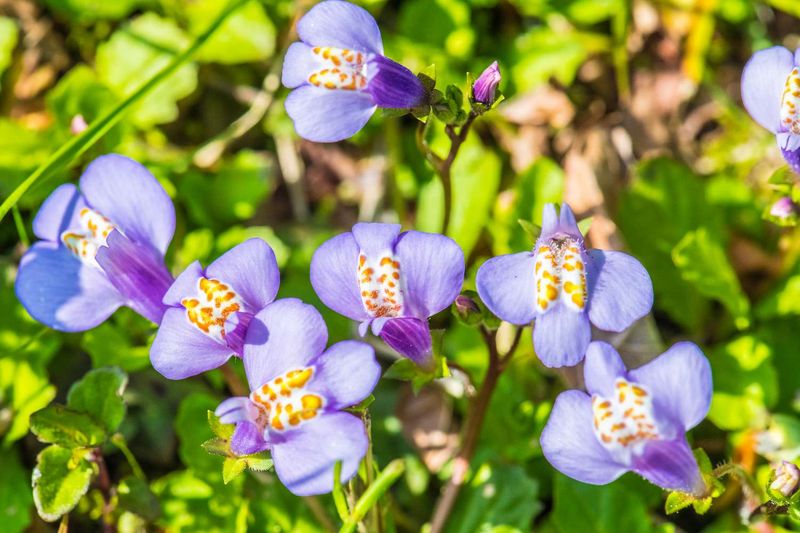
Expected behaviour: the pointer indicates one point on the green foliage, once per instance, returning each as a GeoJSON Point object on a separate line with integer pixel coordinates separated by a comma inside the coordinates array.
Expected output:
{"type": "Point", "coordinates": [247, 35]}
{"type": "Point", "coordinates": [60, 480]}
{"type": "Point", "coordinates": [15, 494]}
{"type": "Point", "coordinates": [99, 394]}
{"type": "Point", "coordinates": [66, 427]}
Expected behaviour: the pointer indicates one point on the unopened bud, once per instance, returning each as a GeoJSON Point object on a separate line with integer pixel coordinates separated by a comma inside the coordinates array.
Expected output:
{"type": "Point", "coordinates": [783, 208]}
{"type": "Point", "coordinates": [485, 87]}
{"type": "Point", "coordinates": [787, 477]}
{"type": "Point", "coordinates": [77, 124]}
{"type": "Point", "coordinates": [466, 309]}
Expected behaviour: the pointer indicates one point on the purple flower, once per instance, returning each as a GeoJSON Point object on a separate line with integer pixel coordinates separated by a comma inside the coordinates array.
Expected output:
{"type": "Point", "coordinates": [210, 310]}
{"type": "Point", "coordinates": [771, 94]}
{"type": "Point", "coordinates": [299, 390]}
{"type": "Point", "coordinates": [485, 86]}
{"type": "Point", "coordinates": [632, 420]}
{"type": "Point", "coordinates": [393, 281]}
{"type": "Point", "coordinates": [565, 288]}
{"type": "Point", "coordinates": [339, 74]}
{"type": "Point", "coordinates": [102, 247]}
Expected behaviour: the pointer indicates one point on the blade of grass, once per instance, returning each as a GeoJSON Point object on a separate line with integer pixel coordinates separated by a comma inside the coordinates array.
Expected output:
{"type": "Point", "coordinates": [373, 493]}
{"type": "Point", "coordinates": [79, 144]}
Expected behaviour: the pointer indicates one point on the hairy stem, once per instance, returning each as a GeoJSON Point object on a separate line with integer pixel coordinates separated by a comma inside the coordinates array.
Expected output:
{"type": "Point", "coordinates": [472, 430]}
{"type": "Point", "coordinates": [106, 489]}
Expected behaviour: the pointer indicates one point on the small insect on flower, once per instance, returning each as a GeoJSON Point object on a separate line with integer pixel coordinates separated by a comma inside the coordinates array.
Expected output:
{"type": "Point", "coordinates": [632, 420]}
{"type": "Point", "coordinates": [390, 280]}
{"type": "Point", "coordinates": [101, 247]}
{"type": "Point", "coordinates": [771, 94]}
{"type": "Point", "coordinates": [210, 310]}
{"type": "Point", "coordinates": [485, 87]}
{"type": "Point", "coordinates": [565, 288]}
{"type": "Point", "coordinates": [298, 393]}
{"type": "Point", "coordinates": [340, 75]}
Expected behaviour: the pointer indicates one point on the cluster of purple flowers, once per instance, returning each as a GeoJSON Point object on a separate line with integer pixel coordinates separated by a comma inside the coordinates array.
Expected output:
{"type": "Point", "coordinates": [103, 246]}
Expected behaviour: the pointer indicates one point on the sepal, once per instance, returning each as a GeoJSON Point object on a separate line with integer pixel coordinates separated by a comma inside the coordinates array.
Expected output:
{"type": "Point", "coordinates": [677, 500]}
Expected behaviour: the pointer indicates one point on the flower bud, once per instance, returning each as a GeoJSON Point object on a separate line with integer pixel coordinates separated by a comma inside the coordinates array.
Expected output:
{"type": "Point", "coordinates": [77, 124]}
{"type": "Point", "coordinates": [466, 309]}
{"type": "Point", "coordinates": [485, 87]}
{"type": "Point", "coordinates": [787, 477]}
{"type": "Point", "coordinates": [783, 208]}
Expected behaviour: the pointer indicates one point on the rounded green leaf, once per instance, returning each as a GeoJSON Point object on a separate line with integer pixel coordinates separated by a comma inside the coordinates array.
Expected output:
{"type": "Point", "coordinates": [59, 482]}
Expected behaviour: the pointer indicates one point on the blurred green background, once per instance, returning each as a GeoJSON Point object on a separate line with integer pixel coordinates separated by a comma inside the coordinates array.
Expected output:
{"type": "Point", "coordinates": [627, 110]}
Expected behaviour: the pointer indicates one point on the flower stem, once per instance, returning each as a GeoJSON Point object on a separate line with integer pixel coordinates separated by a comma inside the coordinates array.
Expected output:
{"type": "Point", "coordinates": [373, 493]}
{"type": "Point", "coordinates": [443, 167]}
{"type": "Point", "coordinates": [119, 441]}
{"type": "Point", "coordinates": [233, 381]}
{"type": "Point", "coordinates": [472, 429]}
{"type": "Point", "coordinates": [104, 484]}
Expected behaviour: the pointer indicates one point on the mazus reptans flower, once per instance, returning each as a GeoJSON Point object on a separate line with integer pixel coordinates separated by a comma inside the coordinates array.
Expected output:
{"type": "Point", "coordinates": [102, 246]}
{"type": "Point", "coordinates": [771, 94]}
{"type": "Point", "coordinates": [391, 281]}
{"type": "Point", "coordinates": [632, 420]}
{"type": "Point", "coordinates": [210, 310]}
{"type": "Point", "coordinates": [340, 75]}
{"type": "Point", "coordinates": [298, 393]}
{"type": "Point", "coordinates": [565, 288]}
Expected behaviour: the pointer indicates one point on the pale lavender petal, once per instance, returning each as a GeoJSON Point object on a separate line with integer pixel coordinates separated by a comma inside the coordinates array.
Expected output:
{"type": "Point", "coordinates": [788, 141]}
{"type": "Point", "coordinates": [374, 238]}
{"type": "Point", "coordinates": [128, 194]}
{"type": "Point", "coordinates": [58, 213]}
{"type": "Point", "coordinates": [288, 334]}
{"type": "Point", "coordinates": [334, 276]}
{"type": "Point", "coordinates": [680, 382]}
{"type": "Point", "coordinates": [485, 87]}
{"type": "Point", "coordinates": [411, 338]}
{"type": "Point", "coordinates": [506, 284]}
{"type": "Point", "coordinates": [236, 409]}
{"type": "Point", "coordinates": [247, 439]}
{"type": "Point", "coordinates": [325, 115]}
{"type": "Point", "coordinates": [570, 445]}
{"type": "Point", "coordinates": [561, 336]}
{"type": "Point", "coordinates": [763, 82]}
{"type": "Point", "coordinates": [180, 350]}
{"type": "Point", "coordinates": [797, 57]}
{"type": "Point", "coordinates": [602, 367]}
{"type": "Point", "coordinates": [792, 158]}
{"type": "Point", "coordinates": [549, 221]}
{"type": "Point", "coordinates": [138, 273]}
{"type": "Point", "coordinates": [393, 85]}
{"type": "Point", "coordinates": [670, 465]}
{"type": "Point", "coordinates": [251, 270]}
{"type": "Point", "coordinates": [567, 223]}
{"type": "Point", "coordinates": [347, 372]}
{"type": "Point", "coordinates": [298, 64]}
{"type": "Point", "coordinates": [60, 291]}
{"type": "Point", "coordinates": [432, 272]}
{"type": "Point", "coordinates": [340, 24]}
{"type": "Point", "coordinates": [185, 285]}
{"type": "Point", "coordinates": [620, 290]}
{"type": "Point", "coordinates": [304, 460]}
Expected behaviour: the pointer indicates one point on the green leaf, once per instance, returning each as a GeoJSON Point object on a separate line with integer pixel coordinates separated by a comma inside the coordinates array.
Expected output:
{"type": "Point", "coordinates": [99, 393]}
{"type": "Point", "coordinates": [702, 262]}
{"type": "Point", "coordinates": [232, 467]}
{"type": "Point", "coordinates": [93, 10]}
{"type": "Point", "coordinates": [223, 431]}
{"type": "Point", "coordinates": [79, 144]}
{"type": "Point", "coordinates": [8, 41]}
{"type": "Point", "coordinates": [110, 344]}
{"type": "Point", "coordinates": [247, 35]}
{"type": "Point", "coordinates": [497, 496]}
{"type": "Point", "coordinates": [59, 482]}
{"type": "Point", "coordinates": [28, 390]}
{"type": "Point", "coordinates": [66, 427]}
{"type": "Point", "coordinates": [140, 50]}
{"type": "Point", "coordinates": [135, 496]}
{"type": "Point", "coordinates": [15, 493]}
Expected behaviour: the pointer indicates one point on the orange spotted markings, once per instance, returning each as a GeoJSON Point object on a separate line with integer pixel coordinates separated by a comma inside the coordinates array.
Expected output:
{"type": "Point", "coordinates": [559, 272]}
{"type": "Point", "coordinates": [92, 234]}
{"type": "Point", "coordinates": [285, 402]}
{"type": "Point", "coordinates": [624, 423]}
{"type": "Point", "coordinates": [379, 283]}
{"type": "Point", "coordinates": [341, 69]}
{"type": "Point", "coordinates": [210, 309]}
{"type": "Point", "coordinates": [790, 102]}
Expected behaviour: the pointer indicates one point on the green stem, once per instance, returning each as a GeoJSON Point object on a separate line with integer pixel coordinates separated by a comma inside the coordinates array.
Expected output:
{"type": "Point", "coordinates": [23, 235]}
{"type": "Point", "coordinates": [119, 441]}
{"type": "Point", "coordinates": [80, 143]}
{"type": "Point", "coordinates": [339, 499]}
{"type": "Point", "coordinates": [373, 493]}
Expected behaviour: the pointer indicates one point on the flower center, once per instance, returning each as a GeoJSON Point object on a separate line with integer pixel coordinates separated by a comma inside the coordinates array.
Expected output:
{"type": "Point", "coordinates": [560, 272]}
{"type": "Point", "coordinates": [790, 103]}
{"type": "Point", "coordinates": [379, 280]}
{"type": "Point", "coordinates": [624, 423]}
{"type": "Point", "coordinates": [92, 234]}
{"type": "Point", "coordinates": [285, 400]}
{"type": "Point", "coordinates": [340, 69]}
{"type": "Point", "coordinates": [210, 309]}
